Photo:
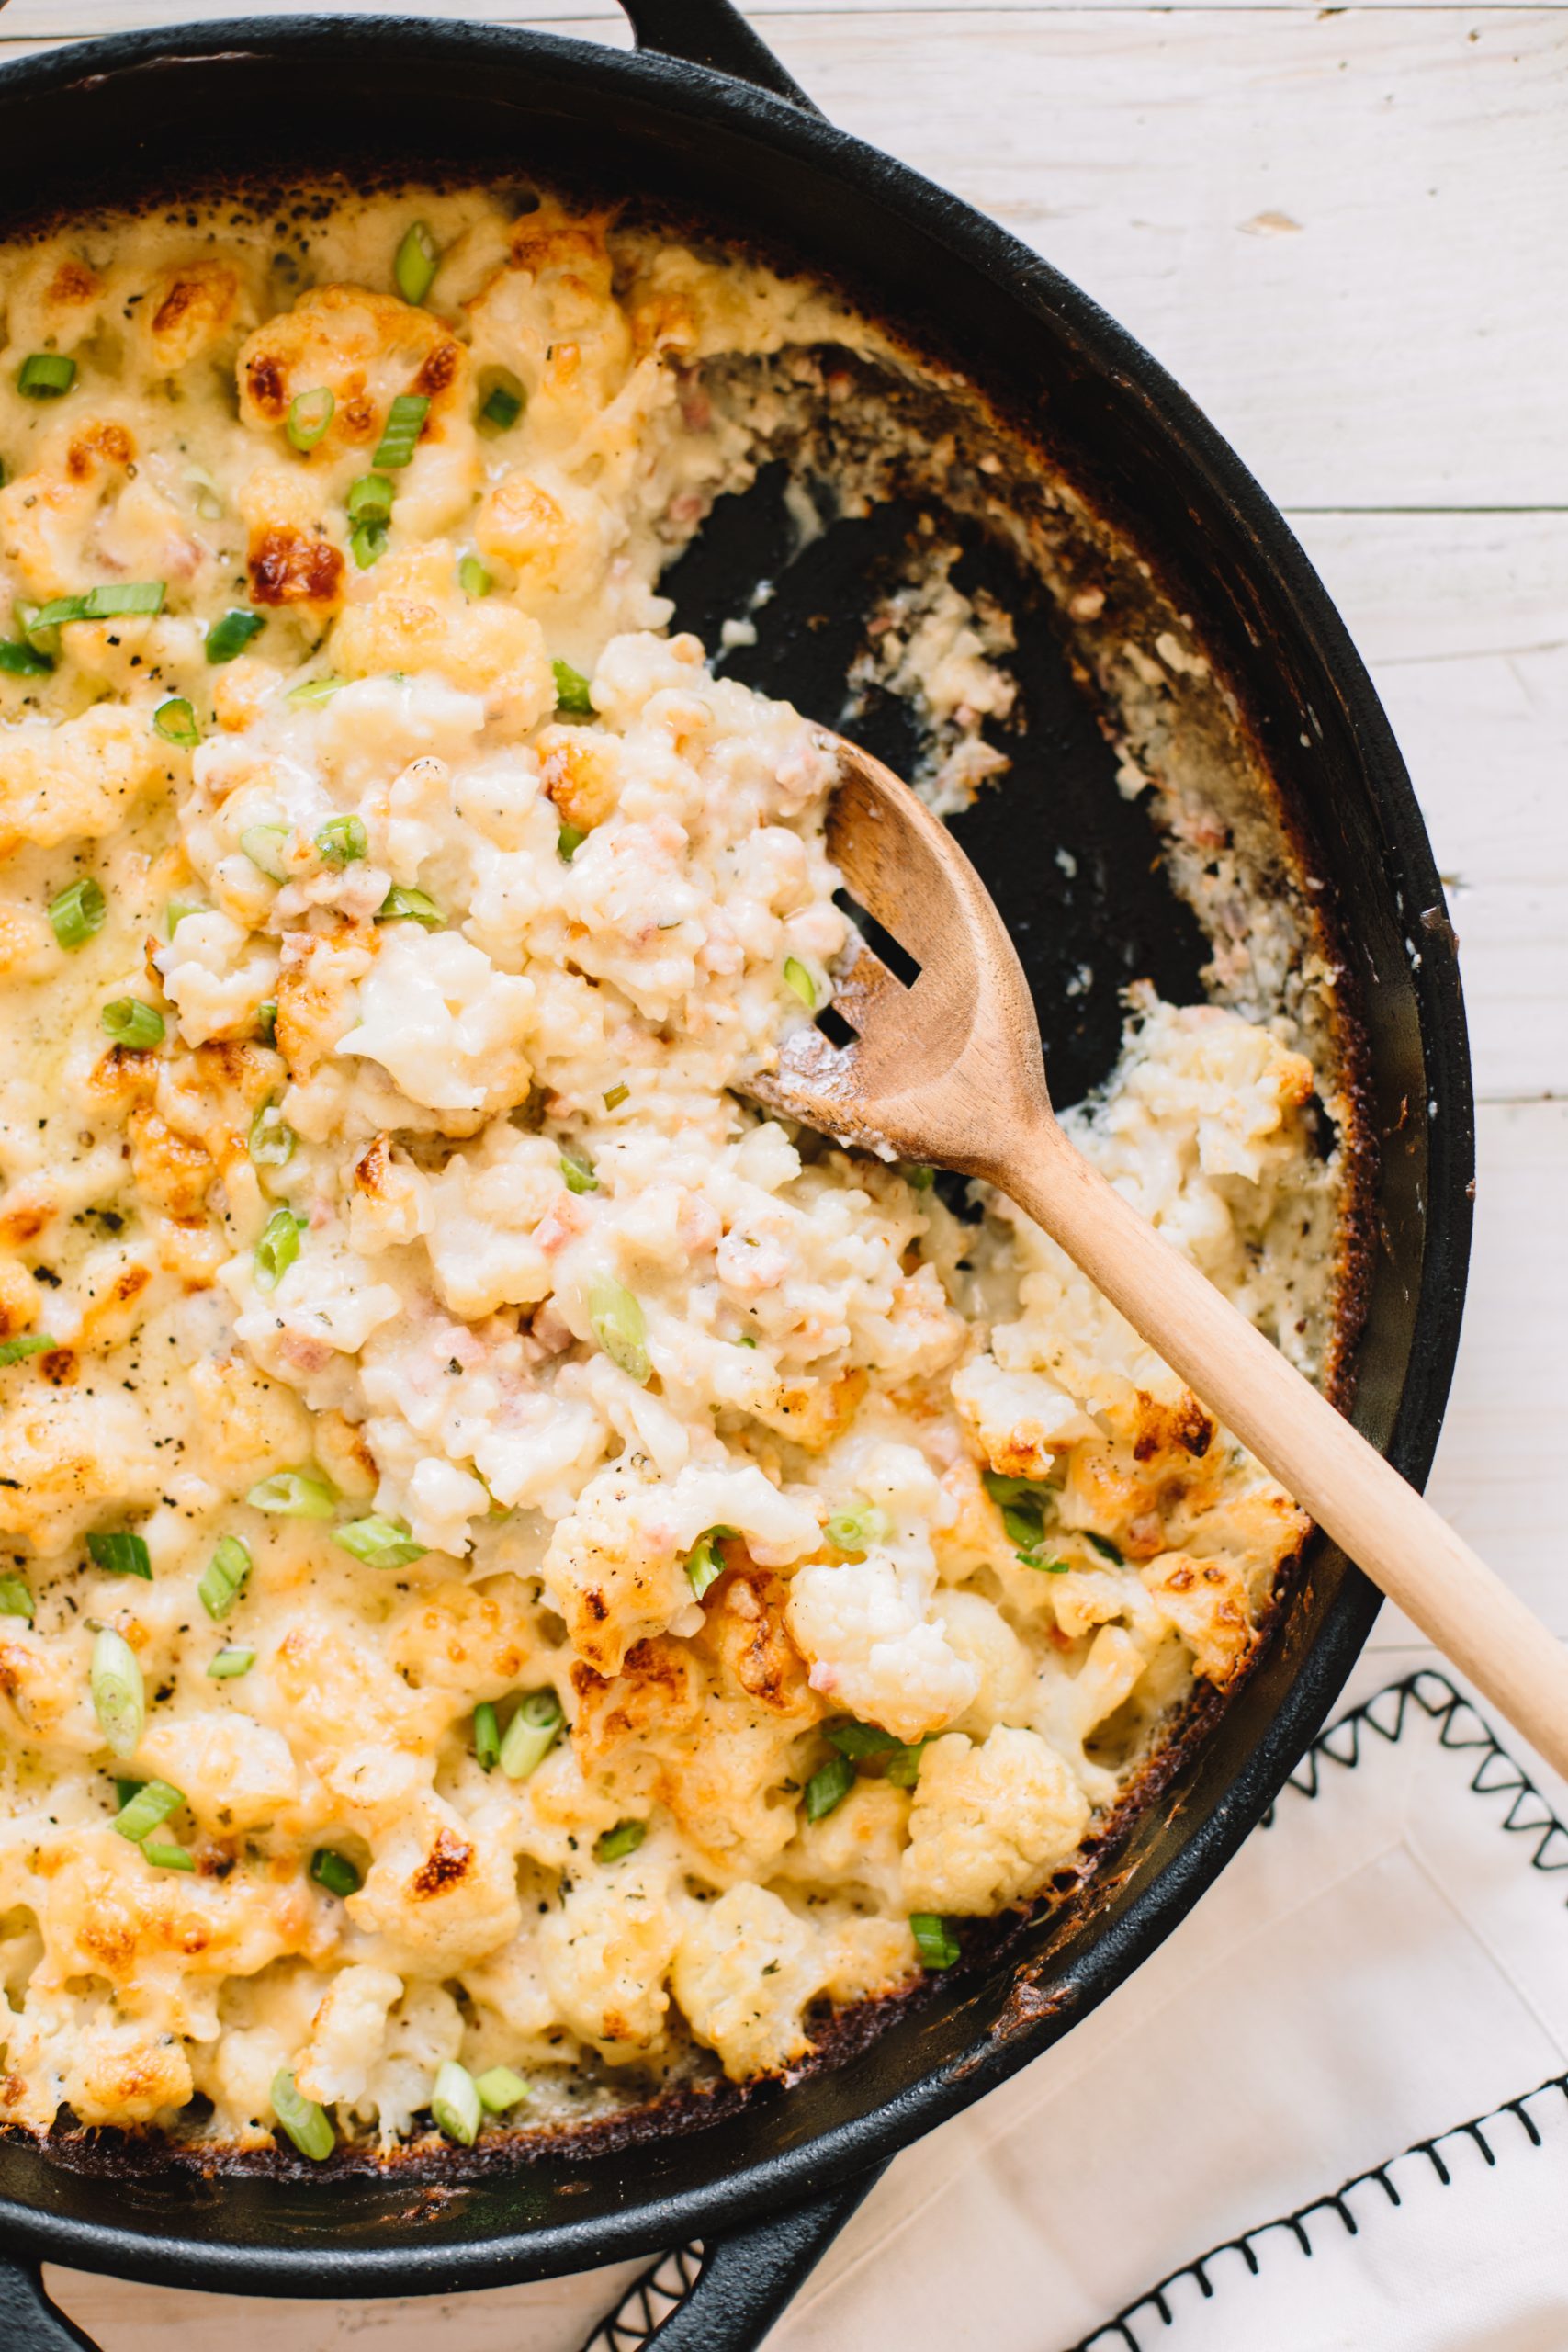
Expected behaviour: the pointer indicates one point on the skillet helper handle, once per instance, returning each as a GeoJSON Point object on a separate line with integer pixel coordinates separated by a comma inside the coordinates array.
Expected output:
{"type": "Point", "coordinates": [711, 33]}
{"type": "Point", "coordinates": [1382, 1524]}
{"type": "Point", "coordinates": [29, 2321]}
{"type": "Point", "coordinates": [749, 2278]}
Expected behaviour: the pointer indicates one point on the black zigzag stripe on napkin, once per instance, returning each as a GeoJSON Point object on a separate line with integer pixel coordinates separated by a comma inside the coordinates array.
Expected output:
{"type": "Point", "coordinates": [1341, 1747]}
{"type": "Point", "coordinates": [1508, 2130]}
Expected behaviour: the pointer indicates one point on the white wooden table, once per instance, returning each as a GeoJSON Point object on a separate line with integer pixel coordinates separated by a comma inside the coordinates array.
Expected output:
{"type": "Point", "coordinates": [1346, 232]}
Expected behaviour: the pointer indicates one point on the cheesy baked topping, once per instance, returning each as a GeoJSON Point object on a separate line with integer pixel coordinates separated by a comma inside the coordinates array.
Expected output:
{"type": "Point", "coordinates": [521, 1574]}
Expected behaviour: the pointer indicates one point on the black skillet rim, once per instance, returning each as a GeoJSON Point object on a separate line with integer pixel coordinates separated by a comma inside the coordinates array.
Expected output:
{"type": "Point", "coordinates": [783, 2179]}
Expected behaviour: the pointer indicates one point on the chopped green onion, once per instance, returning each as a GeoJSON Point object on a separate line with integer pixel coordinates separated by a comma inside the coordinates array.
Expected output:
{"type": "Point", "coordinates": [536, 1726]}
{"type": "Point", "coordinates": [745, 1339]}
{"type": "Point", "coordinates": [177, 911]}
{"type": "Point", "coordinates": [15, 1601]}
{"type": "Point", "coordinates": [272, 1140]}
{"type": "Point", "coordinates": [620, 1327]}
{"type": "Point", "coordinates": [827, 1788]}
{"type": "Point", "coordinates": [625, 1839]}
{"type": "Point", "coordinates": [1104, 1546]}
{"type": "Point", "coordinates": [78, 912]}
{"type": "Point", "coordinates": [403, 905]}
{"type": "Point", "coordinates": [42, 623]}
{"type": "Point", "coordinates": [704, 1562]}
{"type": "Point", "coordinates": [1022, 1503]}
{"type": "Point", "coordinates": [124, 1789]}
{"type": "Point", "coordinates": [487, 1735]}
{"type": "Point", "coordinates": [20, 659]}
{"type": "Point", "coordinates": [416, 263]}
{"type": "Point", "coordinates": [371, 499]}
{"type": "Point", "coordinates": [856, 1528]}
{"type": "Point", "coordinates": [334, 1871]}
{"type": "Point", "coordinates": [503, 403]}
{"type": "Point", "coordinates": [859, 1740]}
{"type": "Point", "coordinates": [137, 598]}
{"type": "Point", "coordinates": [223, 1578]}
{"type": "Point", "coordinates": [615, 1097]}
{"type": "Point", "coordinates": [903, 1768]}
{"type": "Point", "coordinates": [294, 1494]}
{"type": "Point", "coordinates": [473, 579]}
{"type": "Point", "coordinates": [315, 690]}
{"type": "Point", "coordinates": [578, 1169]}
{"type": "Point", "coordinates": [405, 423]}
{"type": "Point", "coordinates": [454, 2103]}
{"type": "Point", "coordinates": [132, 1024]}
{"type": "Point", "coordinates": [568, 841]}
{"type": "Point", "coordinates": [278, 1248]}
{"type": "Point", "coordinates": [572, 691]}
{"type": "Point", "coordinates": [368, 544]}
{"type": "Point", "coordinates": [308, 2125]}
{"type": "Point", "coordinates": [380, 1542]}
{"type": "Point", "coordinates": [26, 1343]}
{"type": "Point", "coordinates": [208, 497]}
{"type": "Point", "coordinates": [797, 978]}
{"type": "Point", "coordinates": [499, 2088]}
{"type": "Point", "coordinates": [175, 722]}
{"type": "Point", "coordinates": [934, 1939]}
{"type": "Point", "coordinates": [121, 1554]}
{"type": "Point", "coordinates": [266, 1018]}
{"type": "Point", "coordinates": [310, 413]}
{"type": "Point", "coordinates": [45, 375]}
{"type": "Point", "coordinates": [919, 1176]}
{"type": "Point", "coordinates": [153, 1803]}
{"type": "Point", "coordinates": [264, 845]}
{"type": "Point", "coordinates": [120, 1695]}
{"type": "Point", "coordinates": [168, 1858]}
{"type": "Point", "coordinates": [233, 634]}
{"type": "Point", "coordinates": [1046, 1567]}
{"type": "Point", "coordinates": [342, 838]}
{"type": "Point", "coordinates": [232, 1659]}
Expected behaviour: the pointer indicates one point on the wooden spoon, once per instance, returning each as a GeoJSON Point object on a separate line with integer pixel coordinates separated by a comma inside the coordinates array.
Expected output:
{"type": "Point", "coordinates": [949, 1070]}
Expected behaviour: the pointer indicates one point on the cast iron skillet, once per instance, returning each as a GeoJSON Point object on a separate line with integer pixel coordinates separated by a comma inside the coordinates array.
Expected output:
{"type": "Point", "coordinates": [705, 118]}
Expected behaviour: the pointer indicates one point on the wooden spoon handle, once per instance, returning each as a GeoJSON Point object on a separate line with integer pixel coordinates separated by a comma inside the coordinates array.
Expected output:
{"type": "Point", "coordinates": [1365, 1505]}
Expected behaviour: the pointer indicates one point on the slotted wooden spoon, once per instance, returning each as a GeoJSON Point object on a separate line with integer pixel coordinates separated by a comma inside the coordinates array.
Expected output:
{"type": "Point", "coordinates": [950, 1071]}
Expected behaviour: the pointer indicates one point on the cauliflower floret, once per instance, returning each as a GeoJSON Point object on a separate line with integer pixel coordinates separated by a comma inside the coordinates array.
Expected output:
{"type": "Point", "coordinates": [990, 1823]}
{"type": "Point", "coordinates": [1020, 1420]}
{"type": "Point", "coordinates": [234, 1772]}
{"type": "Point", "coordinates": [78, 779]}
{"type": "Point", "coordinates": [606, 1953]}
{"type": "Point", "coordinates": [440, 1891]}
{"type": "Point", "coordinates": [418, 621]}
{"type": "Point", "coordinates": [615, 1568]}
{"type": "Point", "coordinates": [444, 1024]}
{"type": "Point", "coordinates": [745, 1970]}
{"type": "Point", "coordinates": [859, 1845]}
{"type": "Point", "coordinates": [978, 1631]}
{"type": "Point", "coordinates": [346, 2035]}
{"type": "Point", "coordinates": [480, 1218]}
{"type": "Point", "coordinates": [874, 1653]}
{"type": "Point", "coordinates": [217, 976]}
{"type": "Point", "coordinates": [1206, 1600]}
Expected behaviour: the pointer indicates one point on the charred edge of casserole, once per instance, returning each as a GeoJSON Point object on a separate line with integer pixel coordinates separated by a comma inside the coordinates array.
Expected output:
{"type": "Point", "coordinates": [995, 421]}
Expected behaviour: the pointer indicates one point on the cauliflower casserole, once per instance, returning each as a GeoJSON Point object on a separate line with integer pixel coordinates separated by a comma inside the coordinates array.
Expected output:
{"type": "Point", "coordinates": [524, 1579]}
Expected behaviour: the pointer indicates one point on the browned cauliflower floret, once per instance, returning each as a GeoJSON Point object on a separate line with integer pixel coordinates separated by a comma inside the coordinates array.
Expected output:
{"type": "Point", "coordinates": [67, 1454]}
{"type": "Point", "coordinates": [364, 349]}
{"type": "Point", "coordinates": [190, 312]}
{"type": "Point", "coordinates": [989, 1823]}
{"type": "Point", "coordinates": [1206, 1600]}
{"type": "Point", "coordinates": [745, 1970]}
{"type": "Point", "coordinates": [440, 1891]}
{"type": "Point", "coordinates": [859, 1846]}
{"type": "Point", "coordinates": [473, 1640]}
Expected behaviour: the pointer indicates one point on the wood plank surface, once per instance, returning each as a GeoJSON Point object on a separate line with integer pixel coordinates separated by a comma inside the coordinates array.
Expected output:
{"type": "Point", "coordinates": [1346, 232]}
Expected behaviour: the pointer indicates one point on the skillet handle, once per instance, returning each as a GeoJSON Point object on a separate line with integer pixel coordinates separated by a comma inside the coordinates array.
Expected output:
{"type": "Point", "coordinates": [745, 2284]}
{"type": "Point", "coordinates": [711, 33]}
{"type": "Point", "coordinates": [29, 2321]}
